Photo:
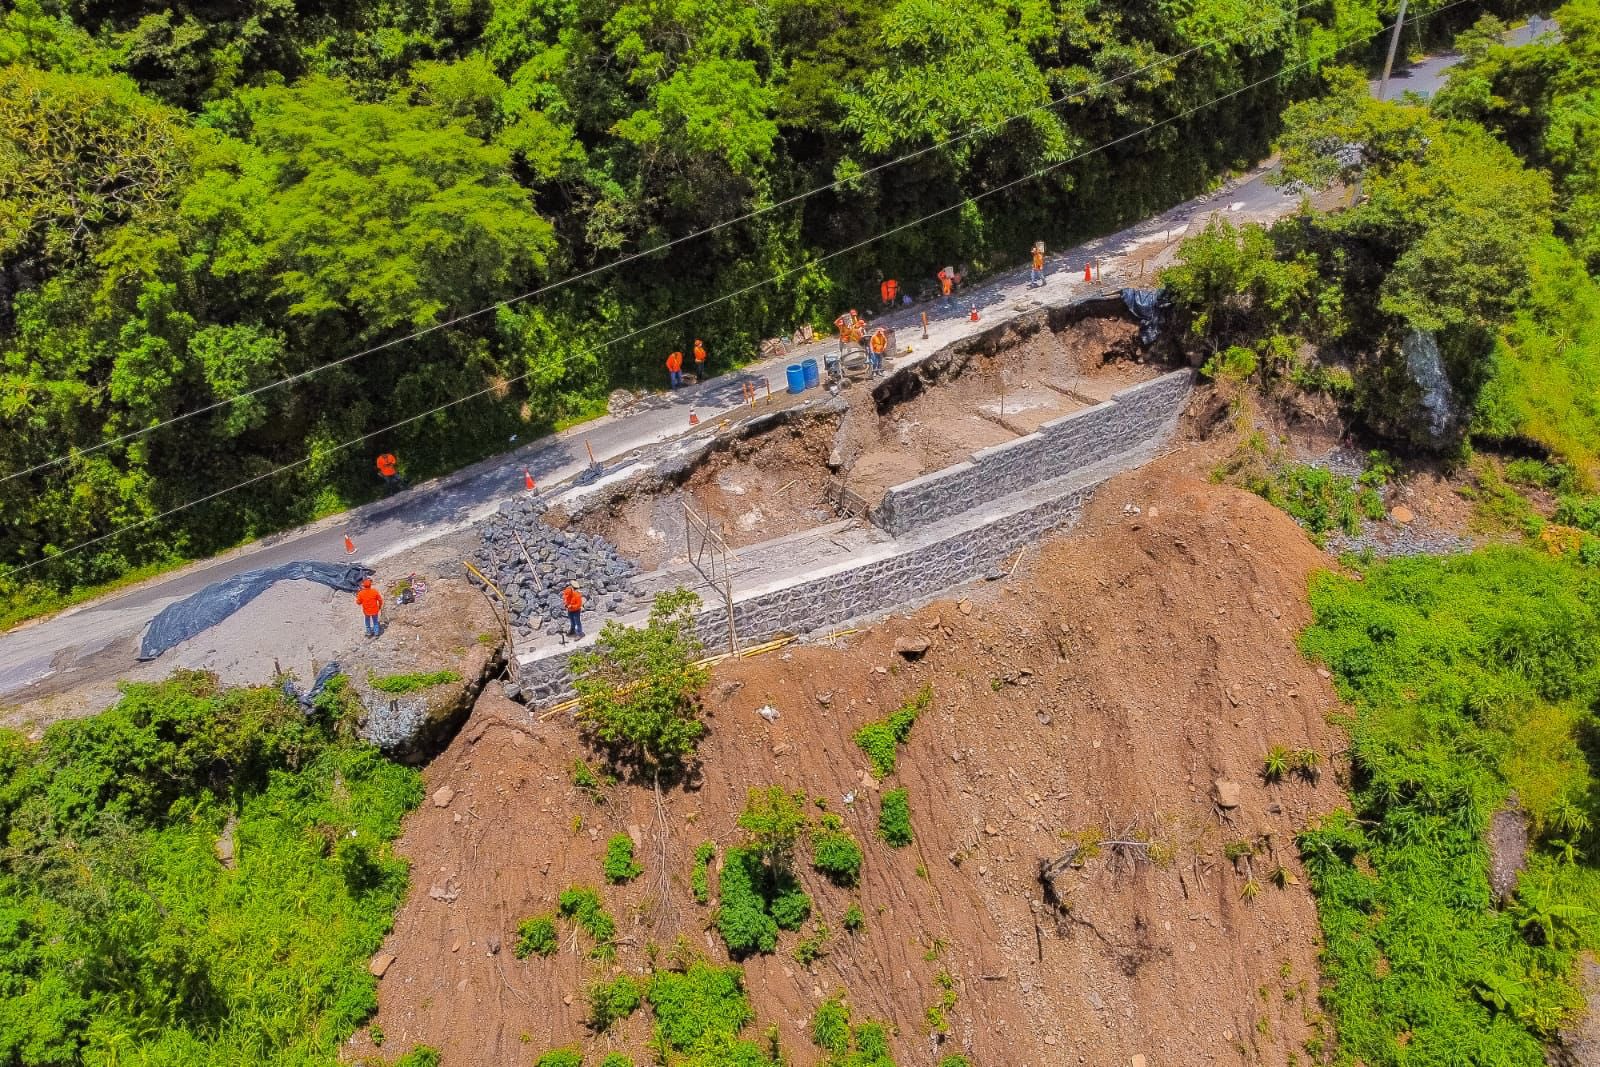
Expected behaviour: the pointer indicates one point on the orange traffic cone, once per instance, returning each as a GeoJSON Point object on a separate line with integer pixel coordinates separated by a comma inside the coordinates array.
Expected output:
{"type": "Point", "coordinates": [974, 315]}
{"type": "Point", "coordinates": [694, 420]}
{"type": "Point", "coordinates": [349, 545]}
{"type": "Point", "coordinates": [1088, 274]}
{"type": "Point", "coordinates": [527, 480]}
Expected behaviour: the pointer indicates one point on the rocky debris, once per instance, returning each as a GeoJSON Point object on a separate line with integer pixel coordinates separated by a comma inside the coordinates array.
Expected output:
{"type": "Point", "coordinates": [911, 647]}
{"type": "Point", "coordinates": [1226, 793]}
{"type": "Point", "coordinates": [224, 846]}
{"type": "Point", "coordinates": [1402, 514]}
{"type": "Point", "coordinates": [380, 963]}
{"type": "Point", "coordinates": [1508, 849]}
{"type": "Point", "coordinates": [443, 796]}
{"type": "Point", "coordinates": [516, 537]}
{"type": "Point", "coordinates": [446, 891]}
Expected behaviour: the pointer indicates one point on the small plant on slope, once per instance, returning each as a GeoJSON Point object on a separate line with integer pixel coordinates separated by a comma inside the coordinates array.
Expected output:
{"type": "Point", "coordinates": [894, 818]}
{"type": "Point", "coordinates": [536, 937]}
{"type": "Point", "coordinates": [620, 866]}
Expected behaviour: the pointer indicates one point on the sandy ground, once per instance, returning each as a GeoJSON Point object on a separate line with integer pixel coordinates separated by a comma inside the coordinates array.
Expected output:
{"type": "Point", "coordinates": [1107, 687]}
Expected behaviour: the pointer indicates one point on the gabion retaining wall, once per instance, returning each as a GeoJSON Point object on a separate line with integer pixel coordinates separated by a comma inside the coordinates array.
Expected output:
{"type": "Point", "coordinates": [899, 573]}
{"type": "Point", "coordinates": [1131, 417]}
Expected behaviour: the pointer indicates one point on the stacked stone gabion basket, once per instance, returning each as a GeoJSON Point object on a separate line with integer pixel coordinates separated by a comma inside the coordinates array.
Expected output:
{"type": "Point", "coordinates": [593, 564]}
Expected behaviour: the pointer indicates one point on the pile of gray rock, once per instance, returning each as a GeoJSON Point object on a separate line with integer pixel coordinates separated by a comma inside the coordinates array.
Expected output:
{"type": "Point", "coordinates": [516, 536]}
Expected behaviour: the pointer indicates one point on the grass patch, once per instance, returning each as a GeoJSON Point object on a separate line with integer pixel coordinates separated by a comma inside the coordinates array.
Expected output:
{"type": "Point", "coordinates": [1472, 677]}
{"type": "Point", "coordinates": [620, 866]}
{"type": "Point", "coordinates": [396, 684]}
{"type": "Point", "coordinates": [881, 738]}
{"type": "Point", "coordinates": [894, 818]}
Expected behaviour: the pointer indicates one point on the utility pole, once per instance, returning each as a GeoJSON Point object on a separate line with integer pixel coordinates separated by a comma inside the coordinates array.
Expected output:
{"type": "Point", "coordinates": [1394, 45]}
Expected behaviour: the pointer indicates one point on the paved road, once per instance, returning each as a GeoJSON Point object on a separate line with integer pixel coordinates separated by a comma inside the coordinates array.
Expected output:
{"type": "Point", "coordinates": [98, 638]}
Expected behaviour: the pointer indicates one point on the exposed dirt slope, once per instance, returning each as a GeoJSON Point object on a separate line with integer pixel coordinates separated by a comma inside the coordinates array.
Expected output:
{"type": "Point", "coordinates": [1109, 683]}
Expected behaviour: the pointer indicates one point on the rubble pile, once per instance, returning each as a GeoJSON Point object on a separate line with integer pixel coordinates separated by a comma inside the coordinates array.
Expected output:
{"type": "Point", "coordinates": [516, 536]}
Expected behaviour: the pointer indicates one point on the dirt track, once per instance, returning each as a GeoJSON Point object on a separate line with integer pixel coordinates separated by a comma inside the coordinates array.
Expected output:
{"type": "Point", "coordinates": [1108, 685]}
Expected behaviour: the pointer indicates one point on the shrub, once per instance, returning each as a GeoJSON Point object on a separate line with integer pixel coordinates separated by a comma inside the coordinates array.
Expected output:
{"type": "Point", "coordinates": [638, 690]}
{"type": "Point", "coordinates": [536, 937]}
{"type": "Point", "coordinates": [583, 905]}
{"type": "Point", "coordinates": [853, 920]}
{"type": "Point", "coordinates": [791, 909]}
{"type": "Point", "coordinates": [700, 876]}
{"type": "Point", "coordinates": [616, 1059]}
{"type": "Point", "coordinates": [955, 1059]}
{"type": "Point", "coordinates": [620, 865]}
{"type": "Point", "coordinates": [880, 738]}
{"type": "Point", "coordinates": [774, 818]}
{"type": "Point", "coordinates": [613, 1000]}
{"type": "Point", "coordinates": [830, 1027]}
{"type": "Point", "coordinates": [835, 851]}
{"type": "Point", "coordinates": [742, 919]}
{"type": "Point", "coordinates": [810, 949]}
{"type": "Point", "coordinates": [894, 818]}
{"type": "Point", "coordinates": [696, 1006]}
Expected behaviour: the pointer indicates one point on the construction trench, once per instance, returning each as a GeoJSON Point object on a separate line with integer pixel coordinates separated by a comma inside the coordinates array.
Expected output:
{"type": "Point", "coordinates": [808, 515]}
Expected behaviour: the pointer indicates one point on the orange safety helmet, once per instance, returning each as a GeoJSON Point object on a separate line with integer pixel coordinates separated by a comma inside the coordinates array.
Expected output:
{"type": "Point", "coordinates": [366, 583]}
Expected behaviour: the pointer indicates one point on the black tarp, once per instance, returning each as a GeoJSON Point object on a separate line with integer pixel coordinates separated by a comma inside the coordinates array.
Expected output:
{"type": "Point", "coordinates": [1150, 307]}
{"type": "Point", "coordinates": [191, 615]}
{"type": "Point", "coordinates": [308, 699]}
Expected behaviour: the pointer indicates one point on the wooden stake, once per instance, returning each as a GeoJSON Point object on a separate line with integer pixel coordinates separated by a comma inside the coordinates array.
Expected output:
{"type": "Point", "coordinates": [590, 447]}
{"type": "Point", "coordinates": [924, 325]}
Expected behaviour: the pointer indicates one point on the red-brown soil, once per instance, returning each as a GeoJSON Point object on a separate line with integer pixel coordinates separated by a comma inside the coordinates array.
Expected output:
{"type": "Point", "coordinates": [1107, 686]}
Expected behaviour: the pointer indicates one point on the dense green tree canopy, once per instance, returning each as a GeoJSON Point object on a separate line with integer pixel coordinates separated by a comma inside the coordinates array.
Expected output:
{"type": "Point", "coordinates": [231, 193]}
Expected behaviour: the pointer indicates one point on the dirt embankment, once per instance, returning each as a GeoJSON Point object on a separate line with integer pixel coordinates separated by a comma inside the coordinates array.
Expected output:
{"type": "Point", "coordinates": [1105, 689]}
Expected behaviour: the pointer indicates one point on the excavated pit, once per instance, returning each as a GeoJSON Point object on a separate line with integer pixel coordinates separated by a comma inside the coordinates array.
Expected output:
{"type": "Point", "coordinates": [786, 477]}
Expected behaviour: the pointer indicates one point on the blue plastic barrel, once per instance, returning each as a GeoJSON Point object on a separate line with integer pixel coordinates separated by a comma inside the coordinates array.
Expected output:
{"type": "Point", "coordinates": [810, 367]}
{"type": "Point", "coordinates": [797, 378]}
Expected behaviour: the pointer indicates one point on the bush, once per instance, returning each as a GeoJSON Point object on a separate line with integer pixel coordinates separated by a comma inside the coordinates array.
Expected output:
{"type": "Point", "coordinates": [853, 920]}
{"type": "Point", "coordinates": [616, 1059]}
{"type": "Point", "coordinates": [613, 1000]}
{"type": "Point", "coordinates": [836, 852]}
{"type": "Point", "coordinates": [791, 909]}
{"type": "Point", "coordinates": [1470, 678]}
{"type": "Point", "coordinates": [698, 1006]}
{"type": "Point", "coordinates": [620, 865]}
{"type": "Point", "coordinates": [582, 904]}
{"type": "Point", "coordinates": [638, 690]}
{"type": "Point", "coordinates": [894, 818]}
{"type": "Point", "coordinates": [117, 919]}
{"type": "Point", "coordinates": [700, 876]}
{"type": "Point", "coordinates": [536, 937]}
{"type": "Point", "coordinates": [880, 738]}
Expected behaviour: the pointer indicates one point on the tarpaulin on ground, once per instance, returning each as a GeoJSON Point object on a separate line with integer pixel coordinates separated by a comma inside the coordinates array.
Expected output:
{"type": "Point", "coordinates": [1150, 307]}
{"type": "Point", "coordinates": [195, 614]}
{"type": "Point", "coordinates": [308, 699]}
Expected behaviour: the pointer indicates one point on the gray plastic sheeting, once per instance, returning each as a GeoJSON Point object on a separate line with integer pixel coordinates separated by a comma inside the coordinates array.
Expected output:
{"type": "Point", "coordinates": [1150, 307]}
{"type": "Point", "coordinates": [198, 613]}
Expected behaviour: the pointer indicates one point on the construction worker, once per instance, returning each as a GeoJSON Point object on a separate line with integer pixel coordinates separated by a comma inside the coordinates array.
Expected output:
{"type": "Point", "coordinates": [947, 281]}
{"type": "Point", "coordinates": [845, 324]}
{"type": "Point", "coordinates": [699, 360]}
{"type": "Point", "coordinates": [875, 350]}
{"type": "Point", "coordinates": [675, 370]}
{"type": "Point", "coordinates": [371, 602]}
{"type": "Point", "coordinates": [1036, 275]}
{"type": "Point", "coordinates": [389, 471]}
{"type": "Point", "coordinates": [574, 604]}
{"type": "Point", "coordinates": [887, 290]}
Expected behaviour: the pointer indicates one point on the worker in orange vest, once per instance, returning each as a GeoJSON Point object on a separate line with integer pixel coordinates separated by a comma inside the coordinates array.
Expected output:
{"type": "Point", "coordinates": [389, 471]}
{"type": "Point", "coordinates": [887, 291]}
{"type": "Point", "coordinates": [947, 280]}
{"type": "Point", "coordinates": [574, 604]}
{"type": "Point", "coordinates": [844, 324]}
{"type": "Point", "coordinates": [675, 370]}
{"type": "Point", "coordinates": [1036, 276]}
{"type": "Point", "coordinates": [876, 347]}
{"type": "Point", "coordinates": [699, 359]}
{"type": "Point", "coordinates": [371, 602]}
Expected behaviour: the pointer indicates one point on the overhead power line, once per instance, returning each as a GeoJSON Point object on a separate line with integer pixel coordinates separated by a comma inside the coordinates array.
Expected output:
{"type": "Point", "coordinates": [500, 384]}
{"type": "Point", "coordinates": [754, 213]}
